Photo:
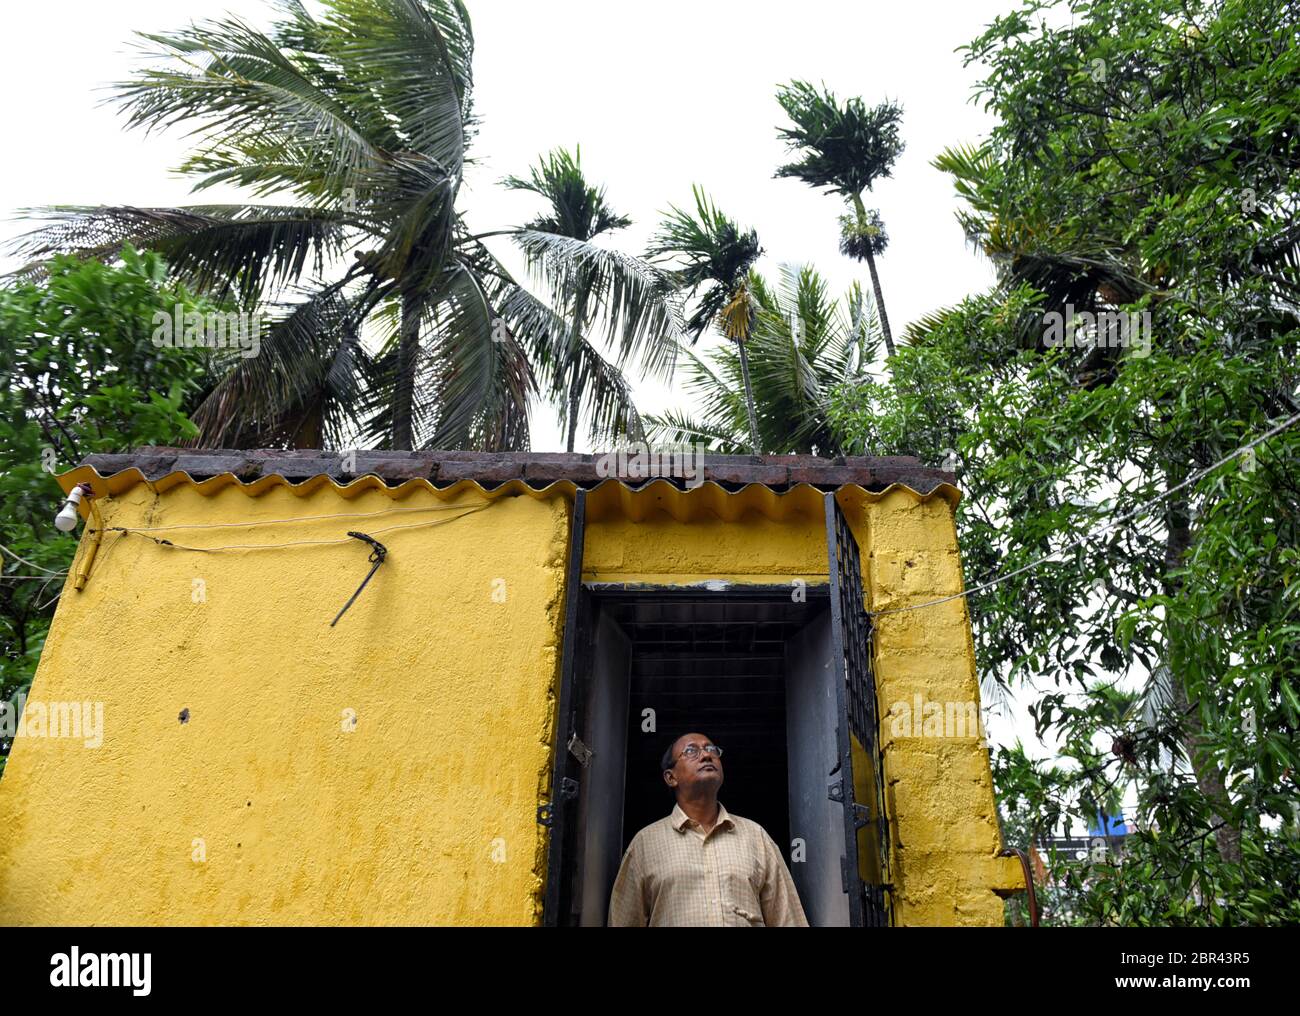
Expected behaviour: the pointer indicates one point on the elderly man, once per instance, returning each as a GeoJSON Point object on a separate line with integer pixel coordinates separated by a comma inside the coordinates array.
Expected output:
{"type": "Point", "coordinates": [702, 865]}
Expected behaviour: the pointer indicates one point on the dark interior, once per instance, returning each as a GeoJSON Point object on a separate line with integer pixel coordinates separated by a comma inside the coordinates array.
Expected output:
{"type": "Point", "coordinates": [712, 664]}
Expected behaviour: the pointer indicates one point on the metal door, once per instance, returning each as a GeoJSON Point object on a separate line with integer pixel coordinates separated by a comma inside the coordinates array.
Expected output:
{"type": "Point", "coordinates": [866, 860]}
{"type": "Point", "coordinates": [560, 813]}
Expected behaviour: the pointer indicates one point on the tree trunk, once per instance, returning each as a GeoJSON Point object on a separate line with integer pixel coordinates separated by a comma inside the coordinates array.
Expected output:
{"type": "Point", "coordinates": [573, 415]}
{"type": "Point", "coordinates": [1209, 776]}
{"type": "Point", "coordinates": [575, 380]}
{"type": "Point", "coordinates": [575, 387]}
{"type": "Point", "coordinates": [408, 352]}
{"type": "Point", "coordinates": [875, 280]}
{"type": "Point", "coordinates": [880, 305]}
{"type": "Point", "coordinates": [310, 430]}
{"type": "Point", "coordinates": [749, 399]}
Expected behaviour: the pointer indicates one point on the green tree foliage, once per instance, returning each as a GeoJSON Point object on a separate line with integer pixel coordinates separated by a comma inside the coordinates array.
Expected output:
{"type": "Point", "coordinates": [1146, 162]}
{"type": "Point", "coordinates": [79, 373]}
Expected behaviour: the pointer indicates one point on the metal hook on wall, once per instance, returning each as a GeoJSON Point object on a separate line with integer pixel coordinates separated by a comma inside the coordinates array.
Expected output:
{"type": "Point", "coordinates": [377, 556]}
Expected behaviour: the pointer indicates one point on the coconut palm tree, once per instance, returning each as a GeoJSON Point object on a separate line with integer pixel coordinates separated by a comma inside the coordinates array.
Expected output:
{"type": "Point", "coordinates": [718, 256]}
{"type": "Point", "coordinates": [359, 120]}
{"type": "Point", "coordinates": [845, 149]}
{"type": "Point", "coordinates": [586, 282]}
{"type": "Point", "coordinates": [803, 344]}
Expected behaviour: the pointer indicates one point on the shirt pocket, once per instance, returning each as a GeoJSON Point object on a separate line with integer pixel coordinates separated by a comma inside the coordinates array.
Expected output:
{"type": "Point", "coordinates": [744, 886]}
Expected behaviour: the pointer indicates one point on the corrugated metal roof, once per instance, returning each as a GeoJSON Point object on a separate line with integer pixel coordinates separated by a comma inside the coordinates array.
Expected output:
{"type": "Point", "coordinates": [537, 469]}
{"type": "Point", "coordinates": [775, 486]}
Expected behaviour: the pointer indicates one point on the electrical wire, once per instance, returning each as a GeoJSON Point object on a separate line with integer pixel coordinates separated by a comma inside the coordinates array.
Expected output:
{"type": "Point", "coordinates": [293, 543]}
{"type": "Point", "coordinates": [1140, 510]}
{"type": "Point", "coordinates": [29, 564]}
{"type": "Point", "coordinates": [276, 522]}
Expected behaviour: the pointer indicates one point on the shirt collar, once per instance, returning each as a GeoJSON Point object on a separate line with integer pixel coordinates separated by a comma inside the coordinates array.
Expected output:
{"type": "Point", "coordinates": [681, 819]}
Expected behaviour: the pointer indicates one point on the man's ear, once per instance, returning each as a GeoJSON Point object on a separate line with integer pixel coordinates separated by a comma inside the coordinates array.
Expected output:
{"type": "Point", "coordinates": [669, 778]}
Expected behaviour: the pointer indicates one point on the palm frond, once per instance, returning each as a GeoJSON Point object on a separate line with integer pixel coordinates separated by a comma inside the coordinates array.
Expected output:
{"type": "Point", "coordinates": [634, 300]}
{"type": "Point", "coordinates": [219, 249]}
{"type": "Point", "coordinates": [413, 60]}
{"type": "Point", "coordinates": [801, 346]}
{"type": "Point", "coordinates": [479, 378]}
{"type": "Point", "coordinates": [845, 148]}
{"type": "Point", "coordinates": [608, 404]}
{"type": "Point", "coordinates": [306, 375]}
{"type": "Point", "coordinates": [576, 208]}
{"type": "Point", "coordinates": [922, 330]}
{"type": "Point", "coordinates": [546, 337]}
{"type": "Point", "coordinates": [676, 427]}
{"type": "Point", "coordinates": [717, 254]}
{"type": "Point", "coordinates": [861, 334]}
{"type": "Point", "coordinates": [250, 94]}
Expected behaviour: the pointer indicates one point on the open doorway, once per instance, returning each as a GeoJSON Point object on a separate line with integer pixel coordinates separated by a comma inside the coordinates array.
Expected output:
{"type": "Point", "coordinates": [750, 667]}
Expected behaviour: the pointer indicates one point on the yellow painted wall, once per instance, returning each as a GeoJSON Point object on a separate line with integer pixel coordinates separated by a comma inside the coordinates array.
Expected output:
{"type": "Point", "coordinates": [946, 865]}
{"type": "Point", "coordinates": [425, 813]}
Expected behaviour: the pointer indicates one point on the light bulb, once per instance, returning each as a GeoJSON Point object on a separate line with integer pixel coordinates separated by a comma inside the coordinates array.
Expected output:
{"type": "Point", "coordinates": [66, 520]}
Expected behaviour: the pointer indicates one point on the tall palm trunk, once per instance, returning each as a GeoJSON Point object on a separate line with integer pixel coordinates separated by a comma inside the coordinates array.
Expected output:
{"type": "Point", "coordinates": [574, 392]}
{"type": "Point", "coordinates": [880, 303]}
{"type": "Point", "coordinates": [408, 352]}
{"type": "Point", "coordinates": [571, 368]}
{"type": "Point", "coordinates": [749, 398]}
{"type": "Point", "coordinates": [875, 280]}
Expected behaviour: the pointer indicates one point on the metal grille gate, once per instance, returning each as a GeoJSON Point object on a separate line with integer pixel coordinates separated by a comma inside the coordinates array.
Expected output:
{"type": "Point", "coordinates": [869, 904]}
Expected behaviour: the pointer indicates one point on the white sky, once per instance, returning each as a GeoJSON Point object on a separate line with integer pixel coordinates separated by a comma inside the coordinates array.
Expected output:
{"type": "Point", "coordinates": [660, 96]}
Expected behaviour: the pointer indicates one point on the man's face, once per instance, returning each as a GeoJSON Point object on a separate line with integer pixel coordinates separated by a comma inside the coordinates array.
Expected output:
{"type": "Point", "coordinates": [691, 774]}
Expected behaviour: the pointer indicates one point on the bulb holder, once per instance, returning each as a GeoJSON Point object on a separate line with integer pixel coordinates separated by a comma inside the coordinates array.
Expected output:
{"type": "Point", "coordinates": [66, 520]}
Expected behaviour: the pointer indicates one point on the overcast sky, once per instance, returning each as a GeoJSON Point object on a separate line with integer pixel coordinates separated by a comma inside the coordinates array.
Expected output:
{"type": "Point", "coordinates": [659, 95]}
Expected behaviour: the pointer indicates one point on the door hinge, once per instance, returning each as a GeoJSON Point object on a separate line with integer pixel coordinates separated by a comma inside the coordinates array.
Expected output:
{"type": "Point", "coordinates": [579, 750]}
{"type": "Point", "coordinates": [546, 812]}
{"type": "Point", "coordinates": [861, 813]}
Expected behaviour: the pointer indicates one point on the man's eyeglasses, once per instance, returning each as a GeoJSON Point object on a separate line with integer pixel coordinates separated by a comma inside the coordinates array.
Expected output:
{"type": "Point", "coordinates": [693, 751]}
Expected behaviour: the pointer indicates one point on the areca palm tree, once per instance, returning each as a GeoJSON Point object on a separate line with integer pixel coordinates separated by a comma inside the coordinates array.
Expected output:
{"type": "Point", "coordinates": [586, 282]}
{"type": "Point", "coordinates": [845, 149]}
{"type": "Point", "coordinates": [359, 120]}
{"type": "Point", "coordinates": [803, 344]}
{"type": "Point", "coordinates": [718, 256]}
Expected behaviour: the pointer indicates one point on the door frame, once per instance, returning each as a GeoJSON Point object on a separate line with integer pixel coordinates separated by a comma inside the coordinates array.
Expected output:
{"type": "Point", "coordinates": [856, 709]}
